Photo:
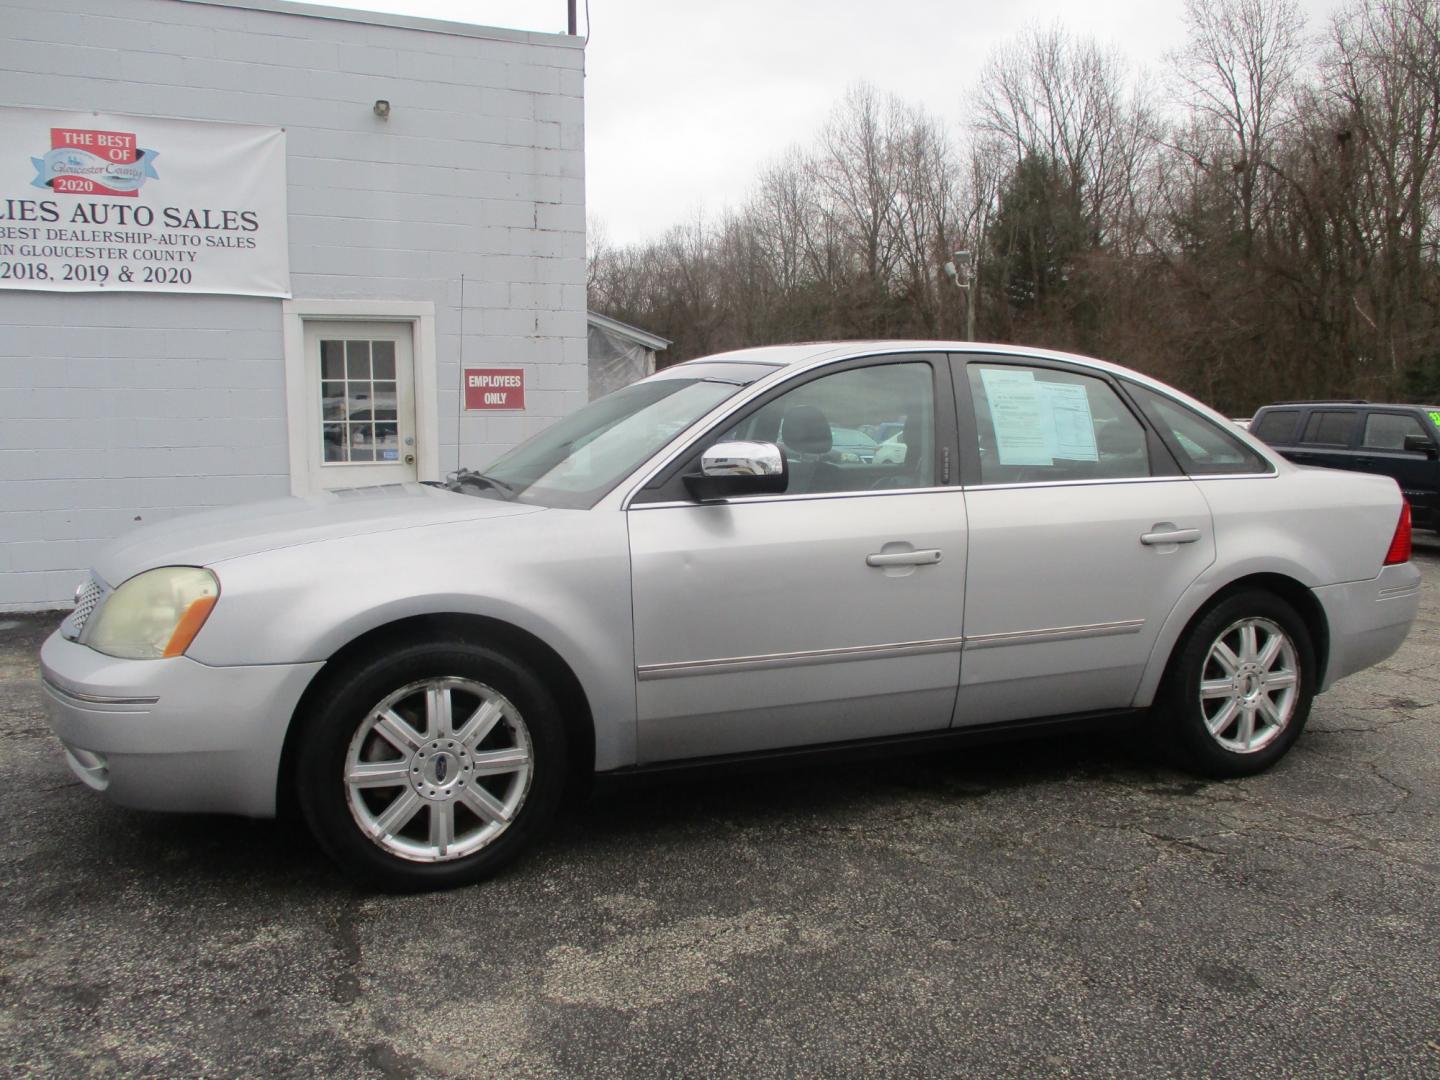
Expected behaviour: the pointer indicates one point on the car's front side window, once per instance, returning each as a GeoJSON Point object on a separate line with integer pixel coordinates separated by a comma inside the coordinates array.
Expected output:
{"type": "Point", "coordinates": [1038, 425]}
{"type": "Point", "coordinates": [1387, 431]}
{"type": "Point", "coordinates": [856, 430]}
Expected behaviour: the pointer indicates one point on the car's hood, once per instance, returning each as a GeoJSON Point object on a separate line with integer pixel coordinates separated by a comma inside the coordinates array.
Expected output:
{"type": "Point", "coordinates": [215, 535]}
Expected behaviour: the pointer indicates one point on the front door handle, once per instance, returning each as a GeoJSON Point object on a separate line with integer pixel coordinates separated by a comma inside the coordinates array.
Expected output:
{"type": "Point", "coordinates": [927, 557]}
{"type": "Point", "coordinates": [1175, 536]}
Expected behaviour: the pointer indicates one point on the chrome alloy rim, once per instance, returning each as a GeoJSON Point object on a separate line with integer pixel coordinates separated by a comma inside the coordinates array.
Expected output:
{"type": "Point", "coordinates": [1249, 685]}
{"type": "Point", "coordinates": [438, 769]}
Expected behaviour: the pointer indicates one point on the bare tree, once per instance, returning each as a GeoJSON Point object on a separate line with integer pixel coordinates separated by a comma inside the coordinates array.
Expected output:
{"type": "Point", "coordinates": [1054, 96]}
{"type": "Point", "coordinates": [1385, 74]}
{"type": "Point", "coordinates": [1238, 72]}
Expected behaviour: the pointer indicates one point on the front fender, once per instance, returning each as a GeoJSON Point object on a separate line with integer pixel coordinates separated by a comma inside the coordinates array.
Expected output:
{"type": "Point", "coordinates": [562, 576]}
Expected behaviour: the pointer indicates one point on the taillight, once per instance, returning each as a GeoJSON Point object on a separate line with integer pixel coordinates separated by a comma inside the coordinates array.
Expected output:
{"type": "Point", "coordinates": [1400, 545]}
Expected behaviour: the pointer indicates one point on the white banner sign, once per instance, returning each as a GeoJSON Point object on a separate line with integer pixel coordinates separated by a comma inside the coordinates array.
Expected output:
{"type": "Point", "coordinates": [96, 202]}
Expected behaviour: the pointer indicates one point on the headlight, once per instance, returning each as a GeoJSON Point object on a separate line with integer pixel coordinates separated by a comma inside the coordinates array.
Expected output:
{"type": "Point", "coordinates": [154, 614]}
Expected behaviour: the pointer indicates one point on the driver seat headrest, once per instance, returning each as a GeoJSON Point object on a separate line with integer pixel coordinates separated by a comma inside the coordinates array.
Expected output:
{"type": "Point", "coordinates": [805, 430]}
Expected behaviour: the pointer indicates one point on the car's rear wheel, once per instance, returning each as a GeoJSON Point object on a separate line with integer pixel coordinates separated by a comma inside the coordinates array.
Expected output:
{"type": "Point", "coordinates": [1239, 688]}
{"type": "Point", "coordinates": [431, 766]}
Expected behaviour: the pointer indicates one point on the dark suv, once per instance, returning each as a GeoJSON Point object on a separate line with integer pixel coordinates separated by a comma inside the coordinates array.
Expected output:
{"type": "Point", "coordinates": [1394, 440]}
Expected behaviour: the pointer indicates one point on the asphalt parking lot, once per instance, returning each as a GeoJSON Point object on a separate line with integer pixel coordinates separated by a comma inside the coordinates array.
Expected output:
{"type": "Point", "coordinates": [1061, 908]}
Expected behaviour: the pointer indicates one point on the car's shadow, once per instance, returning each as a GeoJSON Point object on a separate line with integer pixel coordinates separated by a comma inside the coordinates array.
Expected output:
{"type": "Point", "coordinates": [203, 854]}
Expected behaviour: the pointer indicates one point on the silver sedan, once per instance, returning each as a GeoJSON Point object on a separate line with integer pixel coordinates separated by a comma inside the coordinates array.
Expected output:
{"type": "Point", "coordinates": [689, 571]}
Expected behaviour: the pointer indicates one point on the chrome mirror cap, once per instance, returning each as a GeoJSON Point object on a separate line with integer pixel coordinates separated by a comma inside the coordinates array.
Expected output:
{"type": "Point", "coordinates": [730, 470]}
{"type": "Point", "coordinates": [742, 459]}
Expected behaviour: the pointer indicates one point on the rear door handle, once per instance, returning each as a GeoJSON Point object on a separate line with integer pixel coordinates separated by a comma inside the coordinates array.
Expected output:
{"type": "Point", "coordinates": [1176, 536]}
{"type": "Point", "coordinates": [927, 557]}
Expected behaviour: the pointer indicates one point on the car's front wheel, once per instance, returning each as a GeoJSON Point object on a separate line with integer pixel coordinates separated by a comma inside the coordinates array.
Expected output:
{"type": "Point", "coordinates": [1239, 688]}
{"type": "Point", "coordinates": [431, 765]}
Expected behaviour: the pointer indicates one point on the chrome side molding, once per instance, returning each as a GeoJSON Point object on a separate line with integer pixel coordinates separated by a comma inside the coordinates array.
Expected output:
{"type": "Point", "coordinates": [1055, 633]}
{"type": "Point", "coordinates": [683, 668]}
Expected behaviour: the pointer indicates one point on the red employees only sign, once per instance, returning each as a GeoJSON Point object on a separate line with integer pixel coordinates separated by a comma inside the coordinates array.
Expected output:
{"type": "Point", "coordinates": [494, 388]}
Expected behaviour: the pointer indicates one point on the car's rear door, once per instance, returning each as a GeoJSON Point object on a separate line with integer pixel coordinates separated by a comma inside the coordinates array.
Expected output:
{"type": "Point", "coordinates": [828, 613]}
{"type": "Point", "coordinates": [1083, 535]}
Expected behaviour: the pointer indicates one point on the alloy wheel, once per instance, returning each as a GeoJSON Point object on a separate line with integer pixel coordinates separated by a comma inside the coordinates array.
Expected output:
{"type": "Point", "coordinates": [1249, 685]}
{"type": "Point", "coordinates": [438, 769]}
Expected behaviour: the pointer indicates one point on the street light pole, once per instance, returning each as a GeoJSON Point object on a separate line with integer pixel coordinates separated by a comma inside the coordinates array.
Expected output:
{"type": "Point", "coordinates": [964, 260]}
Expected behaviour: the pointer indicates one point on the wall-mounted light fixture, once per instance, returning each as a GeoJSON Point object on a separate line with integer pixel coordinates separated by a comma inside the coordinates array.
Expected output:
{"type": "Point", "coordinates": [382, 109]}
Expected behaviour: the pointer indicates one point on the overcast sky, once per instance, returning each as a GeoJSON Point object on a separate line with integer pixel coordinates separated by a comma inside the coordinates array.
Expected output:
{"type": "Point", "coordinates": [685, 102]}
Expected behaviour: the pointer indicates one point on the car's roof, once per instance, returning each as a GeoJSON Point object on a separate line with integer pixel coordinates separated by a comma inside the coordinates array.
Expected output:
{"type": "Point", "coordinates": [808, 352]}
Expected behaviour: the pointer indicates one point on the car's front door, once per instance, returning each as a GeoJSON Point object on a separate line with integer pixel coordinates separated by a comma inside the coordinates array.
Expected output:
{"type": "Point", "coordinates": [1083, 536]}
{"type": "Point", "coordinates": [828, 613]}
{"type": "Point", "coordinates": [1382, 450]}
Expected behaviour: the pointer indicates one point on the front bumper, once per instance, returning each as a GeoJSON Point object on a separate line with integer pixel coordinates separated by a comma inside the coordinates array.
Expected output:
{"type": "Point", "coordinates": [172, 734]}
{"type": "Point", "coordinates": [1368, 620]}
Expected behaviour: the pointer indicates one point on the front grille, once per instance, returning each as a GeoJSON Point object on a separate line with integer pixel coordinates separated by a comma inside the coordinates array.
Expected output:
{"type": "Point", "coordinates": [86, 601]}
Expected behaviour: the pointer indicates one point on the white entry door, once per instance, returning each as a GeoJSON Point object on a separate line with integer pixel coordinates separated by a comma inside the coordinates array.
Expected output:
{"type": "Point", "coordinates": [360, 380]}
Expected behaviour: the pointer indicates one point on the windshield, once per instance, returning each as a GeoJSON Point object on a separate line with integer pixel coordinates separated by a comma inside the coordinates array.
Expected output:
{"type": "Point", "coordinates": [575, 462]}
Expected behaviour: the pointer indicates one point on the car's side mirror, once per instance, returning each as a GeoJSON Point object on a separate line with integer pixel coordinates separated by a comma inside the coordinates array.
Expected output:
{"type": "Point", "coordinates": [729, 469]}
{"type": "Point", "coordinates": [1421, 444]}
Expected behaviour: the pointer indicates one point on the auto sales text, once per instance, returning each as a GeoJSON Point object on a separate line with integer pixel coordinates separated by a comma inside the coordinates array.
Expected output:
{"type": "Point", "coordinates": [204, 219]}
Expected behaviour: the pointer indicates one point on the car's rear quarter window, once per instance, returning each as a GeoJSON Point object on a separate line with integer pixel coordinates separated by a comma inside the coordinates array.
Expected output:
{"type": "Point", "coordinates": [1202, 447]}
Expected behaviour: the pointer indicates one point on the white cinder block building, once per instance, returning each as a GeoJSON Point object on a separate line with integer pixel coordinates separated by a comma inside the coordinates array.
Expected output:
{"type": "Point", "coordinates": [251, 248]}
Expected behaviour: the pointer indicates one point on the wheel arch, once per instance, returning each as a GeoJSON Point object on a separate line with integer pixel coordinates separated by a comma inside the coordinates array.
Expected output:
{"type": "Point", "coordinates": [494, 633]}
{"type": "Point", "coordinates": [1295, 593]}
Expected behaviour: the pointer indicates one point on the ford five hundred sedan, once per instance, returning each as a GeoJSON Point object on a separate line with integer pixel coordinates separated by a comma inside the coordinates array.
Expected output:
{"type": "Point", "coordinates": [689, 570]}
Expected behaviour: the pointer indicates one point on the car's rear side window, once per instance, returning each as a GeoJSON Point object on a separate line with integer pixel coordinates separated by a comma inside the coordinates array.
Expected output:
{"type": "Point", "coordinates": [1331, 427]}
{"type": "Point", "coordinates": [1277, 426]}
{"type": "Point", "coordinates": [1387, 431]}
{"type": "Point", "coordinates": [1037, 425]}
{"type": "Point", "coordinates": [1203, 447]}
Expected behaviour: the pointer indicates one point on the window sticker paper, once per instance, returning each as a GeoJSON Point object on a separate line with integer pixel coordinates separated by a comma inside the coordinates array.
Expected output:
{"type": "Point", "coordinates": [1069, 423]}
{"type": "Point", "coordinates": [1019, 415]}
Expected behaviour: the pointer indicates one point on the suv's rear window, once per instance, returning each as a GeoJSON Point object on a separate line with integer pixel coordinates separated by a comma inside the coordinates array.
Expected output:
{"type": "Point", "coordinates": [1331, 428]}
{"type": "Point", "coordinates": [1276, 426]}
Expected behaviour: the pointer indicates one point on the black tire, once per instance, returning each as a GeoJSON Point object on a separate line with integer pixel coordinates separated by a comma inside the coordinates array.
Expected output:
{"type": "Point", "coordinates": [333, 731]}
{"type": "Point", "coordinates": [1179, 720]}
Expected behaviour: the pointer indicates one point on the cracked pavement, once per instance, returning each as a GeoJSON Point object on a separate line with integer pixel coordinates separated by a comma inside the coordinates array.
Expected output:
{"type": "Point", "coordinates": [1054, 908]}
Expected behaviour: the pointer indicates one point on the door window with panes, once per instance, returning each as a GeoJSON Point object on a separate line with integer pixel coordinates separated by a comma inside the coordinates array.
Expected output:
{"type": "Point", "coordinates": [362, 420]}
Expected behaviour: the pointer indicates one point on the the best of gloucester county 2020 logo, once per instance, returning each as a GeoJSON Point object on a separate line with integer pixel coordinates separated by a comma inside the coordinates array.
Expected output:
{"type": "Point", "coordinates": [82, 162]}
